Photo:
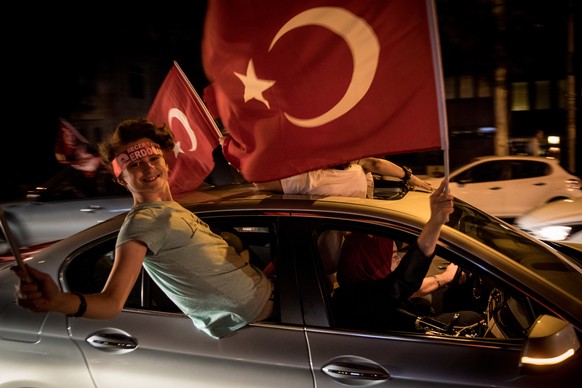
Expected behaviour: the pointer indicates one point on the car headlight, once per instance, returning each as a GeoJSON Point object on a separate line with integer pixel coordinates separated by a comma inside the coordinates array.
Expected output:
{"type": "Point", "coordinates": [554, 233]}
{"type": "Point", "coordinates": [572, 184]}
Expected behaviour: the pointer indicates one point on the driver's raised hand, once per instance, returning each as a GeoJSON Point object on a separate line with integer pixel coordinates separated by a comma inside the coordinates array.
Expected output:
{"type": "Point", "coordinates": [441, 206]}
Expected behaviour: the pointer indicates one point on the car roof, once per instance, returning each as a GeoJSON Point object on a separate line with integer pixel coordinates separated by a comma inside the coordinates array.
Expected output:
{"type": "Point", "coordinates": [547, 159]}
{"type": "Point", "coordinates": [411, 210]}
{"type": "Point", "coordinates": [555, 163]}
{"type": "Point", "coordinates": [480, 159]}
{"type": "Point", "coordinates": [416, 207]}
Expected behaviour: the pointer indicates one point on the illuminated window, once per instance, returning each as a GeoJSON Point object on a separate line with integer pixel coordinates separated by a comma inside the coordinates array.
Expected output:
{"type": "Point", "coordinates": [519, 96]}
{"type": "Point", "coordinates": [483, 87]}
{"type": "Point", "coordinates": [467, 89]}
{"type": "Point", "coordinates": [563, 94]}
{"type": "Point", "coordinates": [542, 100]}
{"type": "Point", "coordinates": [450, 88]}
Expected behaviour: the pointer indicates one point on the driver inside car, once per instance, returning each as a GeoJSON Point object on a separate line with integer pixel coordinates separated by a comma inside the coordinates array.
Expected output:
{"type": "Point", "coordinates": [366, 257]}
{"type": "Point", "coordinates": [373, 297]}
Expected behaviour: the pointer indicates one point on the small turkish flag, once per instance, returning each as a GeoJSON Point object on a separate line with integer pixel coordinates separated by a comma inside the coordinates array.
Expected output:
{"type": "Point", "coordinates": [178, 106]}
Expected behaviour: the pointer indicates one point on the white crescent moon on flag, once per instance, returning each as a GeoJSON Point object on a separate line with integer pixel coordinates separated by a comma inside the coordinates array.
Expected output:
{"type": "Point", "coordinates": [177, 114]}
{"type": "Point", "coordinates": [363, 44]}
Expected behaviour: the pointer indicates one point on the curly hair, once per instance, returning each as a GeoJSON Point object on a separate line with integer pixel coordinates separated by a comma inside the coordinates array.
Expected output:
{"type": "Point", "coordinates": [131, 130]}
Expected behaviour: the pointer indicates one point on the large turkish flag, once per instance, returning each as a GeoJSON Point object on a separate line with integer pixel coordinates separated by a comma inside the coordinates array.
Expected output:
{"type": "Point", "coordinates": [301, 85]}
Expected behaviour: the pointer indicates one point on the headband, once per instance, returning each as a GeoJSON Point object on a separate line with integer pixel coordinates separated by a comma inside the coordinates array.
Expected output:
{"type": "Point", "coordinates": [133, 153]}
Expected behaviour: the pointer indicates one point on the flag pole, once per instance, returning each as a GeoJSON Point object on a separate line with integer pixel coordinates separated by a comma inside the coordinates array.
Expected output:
{"type": "Point", "coordinates": [202, 104]}
{"type": "Point", "coordinates": [12, 242]}
{"type": "Point", "coordinates": [439, 80]}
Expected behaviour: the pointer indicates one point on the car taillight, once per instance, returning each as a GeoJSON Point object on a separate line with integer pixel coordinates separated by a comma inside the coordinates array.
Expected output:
{"type": "Point", "coordinates": [572, 184]}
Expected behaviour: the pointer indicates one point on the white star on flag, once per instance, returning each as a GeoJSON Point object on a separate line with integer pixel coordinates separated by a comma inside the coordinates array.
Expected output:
{"type": "Point", "coordinates": [254, 87]}
{"type": "Point", "coordinates": [177, 149]}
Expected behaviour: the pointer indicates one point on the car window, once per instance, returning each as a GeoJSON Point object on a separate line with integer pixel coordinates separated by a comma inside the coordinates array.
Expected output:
{"type": "Point", "coordinates": [486, 310]}
{"type": "Point", "coordinates": [485, 172]}
{"type": "Point", "coordinates": [255, 241]}
{"type": "Point", "coordinates": [522, 169]}
{"type": "Point", "coordinates": [526, 251]}
{"type": "Point", "coordinates": [87, 272]}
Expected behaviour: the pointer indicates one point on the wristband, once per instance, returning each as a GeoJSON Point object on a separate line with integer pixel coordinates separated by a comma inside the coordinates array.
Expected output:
{"type": "Point", "coordinates": [437, 280]}
{"type": "Point", "coordinates": [82, 306]}
{"type": "Point", "coordinates": [407, 173]}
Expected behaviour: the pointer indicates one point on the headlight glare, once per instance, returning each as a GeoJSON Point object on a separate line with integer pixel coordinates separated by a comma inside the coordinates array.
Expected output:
{"type": "Point", "coordinates": [554, 233]}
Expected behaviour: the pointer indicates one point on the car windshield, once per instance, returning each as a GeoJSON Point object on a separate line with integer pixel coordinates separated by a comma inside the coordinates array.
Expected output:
{"type": "Point", "coordinates": [564, 270]}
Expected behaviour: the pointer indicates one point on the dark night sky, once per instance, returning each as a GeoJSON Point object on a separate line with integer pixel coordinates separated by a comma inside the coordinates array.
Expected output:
{"type": "Point", "coordinates": [49, 43]}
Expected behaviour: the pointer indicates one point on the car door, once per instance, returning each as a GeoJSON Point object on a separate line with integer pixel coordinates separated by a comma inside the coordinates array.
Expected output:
{"type": "Point", "coordinates": [531, 185]}
{"type": "Point", "coordinates": [342, 357]}
{"type": "Point", "coordinates": [150, 344]}
{"type": "Point", "coordinates": [155, 350]}
{"type": "Point", "coordinates": [359, 358]}
{"type": "Point", "coordinates": [35, 351]}
{"type": "Point", "coordinates": [486, 186]}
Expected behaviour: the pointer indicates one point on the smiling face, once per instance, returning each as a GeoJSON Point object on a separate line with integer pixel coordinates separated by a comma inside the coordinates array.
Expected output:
{"type": "Point", "coordinates": [142, 169]}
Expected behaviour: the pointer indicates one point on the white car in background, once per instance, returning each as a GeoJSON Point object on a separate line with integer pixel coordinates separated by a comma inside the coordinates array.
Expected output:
{"type": "Point", "coordinates": [509, 186]}
{"type": "Point", "coordinates": [555, 221]}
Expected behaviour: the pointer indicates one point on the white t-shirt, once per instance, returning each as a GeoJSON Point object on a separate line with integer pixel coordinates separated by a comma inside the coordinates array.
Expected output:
{"type": "Point", "coordinates": [204, 276]}
{"type": "Point", "coordinates": [351, 182]}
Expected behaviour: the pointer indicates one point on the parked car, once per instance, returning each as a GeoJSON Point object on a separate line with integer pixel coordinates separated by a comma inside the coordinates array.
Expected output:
{"type": "Point", "coordinates": [67, 203]}
{"type": "Point", "coordinates": [529, 296]}
{"type": "Point", "coordinates": [508, 186]}
{"type": "Point", "coordinates": [555, 221]}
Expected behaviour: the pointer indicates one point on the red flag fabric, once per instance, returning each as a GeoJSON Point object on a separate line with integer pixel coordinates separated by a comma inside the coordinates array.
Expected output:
{"type": "Point", "coordinates": [301, 85]}
{"type": "Point", "coordinates": [72, 148]}
{"type": "Point", "coordinates": [178, 106]}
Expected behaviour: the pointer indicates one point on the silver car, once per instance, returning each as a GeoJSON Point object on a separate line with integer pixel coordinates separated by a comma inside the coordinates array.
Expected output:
{"type": "Point", "coordinates": [527, 294]}
{"type": "Point", "coordinates": [67, 203]}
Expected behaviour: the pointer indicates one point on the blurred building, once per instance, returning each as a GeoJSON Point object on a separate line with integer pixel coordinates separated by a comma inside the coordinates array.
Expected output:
{"type": "Point", "coordinates": [512, 63]}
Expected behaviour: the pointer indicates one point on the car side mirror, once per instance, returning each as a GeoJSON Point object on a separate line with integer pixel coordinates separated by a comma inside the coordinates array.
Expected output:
{"type": "Point", "coordinates": [550, 342]}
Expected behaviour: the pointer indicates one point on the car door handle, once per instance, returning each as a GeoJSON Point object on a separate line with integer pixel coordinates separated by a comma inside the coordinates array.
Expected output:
{"type": "Point", "coordinates": [495, 188]}
{"type": "Point", "coordinates": [112, 341]}
{"type": "Point", "coordinates": [540, 184]}
{"type": "Point", "coordinates": [91, 208]}
{"type": "Point", "coordinates": [352, 371]}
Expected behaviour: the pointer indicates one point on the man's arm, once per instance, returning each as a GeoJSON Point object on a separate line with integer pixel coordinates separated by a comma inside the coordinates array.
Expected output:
{"type": "Point", "coordinates": [408, 276]}
{"type": "Point", "coordinates": [386, 168]}
{"type": "Point", "coordinates": [441, 206]}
